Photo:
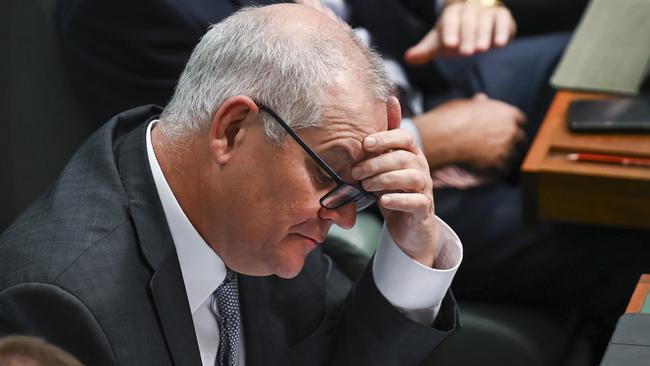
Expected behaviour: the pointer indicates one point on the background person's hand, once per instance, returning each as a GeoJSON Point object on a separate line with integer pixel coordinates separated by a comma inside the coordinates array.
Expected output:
{"type": "Point", "coordinates": [318, 5]}
{"type": "Point", "coordinates": [398, 173]}
{"type": "Point", "coordinates": [462, 29]}
{"type": "Point", "coordinates": [480, 132]}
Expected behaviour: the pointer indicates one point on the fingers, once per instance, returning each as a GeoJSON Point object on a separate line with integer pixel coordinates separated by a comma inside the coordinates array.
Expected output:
{"type": "Point", "coordinates": [394, 160]}
{"type": "Point", "coordinates": [394, 113]}
{"type": "Point", "coordinates": [519, 115]}
{"type": "Point", "coordinates": [462, 29]}
{"type": "Point", "coordinates": [397, 170]}
{"type": "Point", "coordinates": [419, 205]}
{"type": "Point", "coordinates": [469, 24]}
{"type": "Point", "coordinates": [397, 165]}
{"type": "Point", "coordinates": [404, 180]}
{"type": "Point", "coordinates": [516, 113]}
{"type": "Point", "coordinates": [504, 28]}
{"type": "Point", "coordinates": [520, 136]}
{"type": "Point", "coordinates": [450, 26]}
{"type": "Point", "coordinates": [425, 50]}
{"type": "Point", "coordinates": [484, 29]}
{"type": "Point", "coordinates": [390, 140]}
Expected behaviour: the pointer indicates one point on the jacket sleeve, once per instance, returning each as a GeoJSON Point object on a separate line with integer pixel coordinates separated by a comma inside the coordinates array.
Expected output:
{"type": "Point", "coordinates": [370, 331]}
{"type": "Point", "coordinates": [57, 316]}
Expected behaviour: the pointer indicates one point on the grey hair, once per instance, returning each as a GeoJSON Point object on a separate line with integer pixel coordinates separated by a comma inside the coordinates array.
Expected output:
{"type": "Point", "coordinates": [247, 54]}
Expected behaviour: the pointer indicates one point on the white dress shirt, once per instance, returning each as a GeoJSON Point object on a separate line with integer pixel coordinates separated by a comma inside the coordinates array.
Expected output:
{"type": "Point", "coordinates": [412, 288]}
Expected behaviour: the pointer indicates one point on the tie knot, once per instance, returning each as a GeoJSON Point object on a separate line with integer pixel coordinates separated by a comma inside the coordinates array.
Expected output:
{"type": "Point", "coordinates": [226, 295]}
{"type": "Point", "coordinates": [230, 275]}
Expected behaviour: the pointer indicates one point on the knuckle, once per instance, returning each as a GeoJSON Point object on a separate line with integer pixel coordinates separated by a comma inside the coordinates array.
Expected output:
{"type": "Point", "coordinates": [373, 165]}
{"type": "Point", "coordinates": [384, 179]}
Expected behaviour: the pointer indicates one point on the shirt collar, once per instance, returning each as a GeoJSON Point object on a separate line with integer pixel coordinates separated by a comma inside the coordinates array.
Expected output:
{"type": "Point", "coordinates": [202, 269]}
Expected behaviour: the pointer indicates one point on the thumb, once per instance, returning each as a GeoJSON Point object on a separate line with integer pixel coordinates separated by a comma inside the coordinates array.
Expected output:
{"type": "Point", "coordinates": [425, 50]}
{"type": "Point", "coordinates": [394, 113]}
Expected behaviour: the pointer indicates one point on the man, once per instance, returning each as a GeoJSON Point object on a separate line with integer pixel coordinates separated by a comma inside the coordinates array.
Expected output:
{"type": "Point", "coordinates": [193, 236]}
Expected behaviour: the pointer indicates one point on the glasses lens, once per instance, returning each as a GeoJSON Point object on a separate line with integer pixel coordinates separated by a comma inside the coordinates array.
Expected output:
{"type": "Point", "coordinates": [345, 194]}
{"type": "Point", "coordinates": [365, 200]}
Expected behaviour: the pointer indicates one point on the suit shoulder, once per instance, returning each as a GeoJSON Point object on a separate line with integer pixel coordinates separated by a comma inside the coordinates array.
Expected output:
{"type": "Point", "coordinates": [86, 204]}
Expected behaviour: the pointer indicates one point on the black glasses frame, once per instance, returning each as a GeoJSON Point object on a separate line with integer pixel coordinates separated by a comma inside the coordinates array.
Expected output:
{"type": "Point", "coordinates": [362, 198]}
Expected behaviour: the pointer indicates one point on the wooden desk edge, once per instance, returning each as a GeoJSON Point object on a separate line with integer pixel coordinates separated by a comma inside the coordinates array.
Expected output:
{"type": "Point", "coordinates": [554, 116]}
{"type": "Point", "coordinates": [639, 295]}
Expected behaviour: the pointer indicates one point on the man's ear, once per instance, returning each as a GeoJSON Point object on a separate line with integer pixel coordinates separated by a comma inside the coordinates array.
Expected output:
{"type": "Point", "coordinates": [227, 129]}
{"type": "Point", "coordinates": [394, 112]}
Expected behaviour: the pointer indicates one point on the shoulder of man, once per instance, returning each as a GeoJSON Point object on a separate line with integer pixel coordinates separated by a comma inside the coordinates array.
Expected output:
{"type": "Point", "coordinates": [84, 206]}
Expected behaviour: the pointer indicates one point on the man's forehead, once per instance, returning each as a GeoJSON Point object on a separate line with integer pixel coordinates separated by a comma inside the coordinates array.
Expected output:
{"type": "Point", "coordinates": [364, 118]}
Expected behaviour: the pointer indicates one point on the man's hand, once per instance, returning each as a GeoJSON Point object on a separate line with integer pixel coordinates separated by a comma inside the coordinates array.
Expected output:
{"type": "Point", "coordinates": [480, 132]}
{"type": "Point", "coordinates": [462, 29]}
{"type": "Point", "coordinates": [398, 173]}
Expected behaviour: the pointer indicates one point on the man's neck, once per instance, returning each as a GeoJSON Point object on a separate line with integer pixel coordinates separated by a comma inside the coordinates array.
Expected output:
{"type": "Point", "coordinates": [182, 167]}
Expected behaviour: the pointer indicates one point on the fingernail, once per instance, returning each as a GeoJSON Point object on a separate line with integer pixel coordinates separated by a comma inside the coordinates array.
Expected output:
{"type": "Point", "coordinates": [371, 141]}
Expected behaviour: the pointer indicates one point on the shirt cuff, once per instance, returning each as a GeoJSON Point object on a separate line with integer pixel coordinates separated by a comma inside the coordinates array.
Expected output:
{"type": "Point", "coordinates": [408, 125]}
{"type": "Point", "coordinates": [416, 290]}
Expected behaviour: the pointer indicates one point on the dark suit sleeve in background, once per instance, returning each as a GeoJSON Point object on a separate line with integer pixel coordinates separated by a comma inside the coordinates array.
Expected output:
{"type": "Point", "coordinates": [121, 54]}
{"type": "Point", "coordinates": [395, 26]}
{"type": "Point", "coordinates": [370, 331]}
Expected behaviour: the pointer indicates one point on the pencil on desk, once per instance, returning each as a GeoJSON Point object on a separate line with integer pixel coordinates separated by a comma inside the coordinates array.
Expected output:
{"type": "Point", "coordinates": [609, 159]}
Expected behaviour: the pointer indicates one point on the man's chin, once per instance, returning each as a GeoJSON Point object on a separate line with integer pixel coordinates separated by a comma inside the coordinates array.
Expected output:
{"type": "Point", "coordinates": [291, 271]}
{"type": "Point", "coordinates": [290, 266]}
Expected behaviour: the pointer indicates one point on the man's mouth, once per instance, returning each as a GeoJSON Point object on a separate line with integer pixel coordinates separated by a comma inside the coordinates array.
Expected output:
{"type": "Point", "coordinates": [317, 239]}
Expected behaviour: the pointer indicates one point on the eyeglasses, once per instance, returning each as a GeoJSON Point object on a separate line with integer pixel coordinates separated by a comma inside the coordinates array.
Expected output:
{"type": "Point", "coordinates": [344, 192]}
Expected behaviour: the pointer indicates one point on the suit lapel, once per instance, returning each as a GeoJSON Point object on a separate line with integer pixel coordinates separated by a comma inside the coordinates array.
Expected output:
{"type": "Point", "coordinates": [169, 295]}
{"type": "Point", "coordinates": [166, 286]}
{"type": "Point", "coordinates": [264, 331]}
{"type": "Point", "coordinates": [278, 313]}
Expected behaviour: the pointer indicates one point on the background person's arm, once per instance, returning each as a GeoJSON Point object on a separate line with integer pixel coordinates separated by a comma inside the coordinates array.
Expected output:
{"type": "Point", "coordinates": [463, 28]}
{"type": "Point", "coordinates": [479, 132]}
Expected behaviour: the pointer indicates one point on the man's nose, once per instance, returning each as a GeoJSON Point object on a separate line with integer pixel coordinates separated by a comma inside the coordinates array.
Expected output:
{"type": "Point", "coordinates": [344, 216]}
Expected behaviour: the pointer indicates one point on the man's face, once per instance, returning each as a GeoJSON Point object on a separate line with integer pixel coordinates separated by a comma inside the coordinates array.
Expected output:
{"type": "Point", "coordinates": [275, 219]}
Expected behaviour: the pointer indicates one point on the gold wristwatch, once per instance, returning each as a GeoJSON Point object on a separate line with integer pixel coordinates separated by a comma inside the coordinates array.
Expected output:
{"type": "Point", "coordinates": [485, 3]}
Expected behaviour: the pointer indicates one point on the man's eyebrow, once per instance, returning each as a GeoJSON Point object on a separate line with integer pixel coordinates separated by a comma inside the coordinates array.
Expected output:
{"type": "Point", "coordinates": [340, 155]}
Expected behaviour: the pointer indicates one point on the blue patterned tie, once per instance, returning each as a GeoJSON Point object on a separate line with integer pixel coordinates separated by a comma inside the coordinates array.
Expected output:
{"type": "Point", "coordinates": [225, 305]}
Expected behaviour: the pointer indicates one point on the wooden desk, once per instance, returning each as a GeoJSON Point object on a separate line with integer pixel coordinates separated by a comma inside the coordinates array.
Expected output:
{"type": "Point", "coordinates": [594, 193]}
{"type": "Point", "coordinates": [640, 302]}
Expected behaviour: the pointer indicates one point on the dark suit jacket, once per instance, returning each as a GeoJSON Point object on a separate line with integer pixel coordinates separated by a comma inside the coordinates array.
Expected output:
{"type": "Point", "coordinates": [122, 54]}
{"type": "Point", "coordinates": [91, 267]}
